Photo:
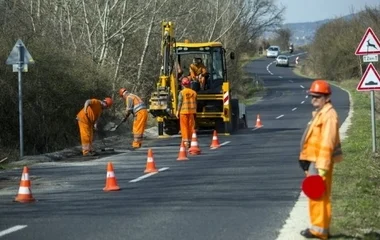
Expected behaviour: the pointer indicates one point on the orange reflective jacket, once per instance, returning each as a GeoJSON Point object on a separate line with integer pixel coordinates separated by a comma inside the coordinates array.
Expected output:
{"type": "Point", "coordinates": [322, 142]}
{"type": "Point", "coordinates": [196, 70]}
{"type": "Point", "coordinates": [187, 99]}
{"type": "Point", "coordinates": [134, 103]}
{"type": "Point", "coordinates": [93, 112]}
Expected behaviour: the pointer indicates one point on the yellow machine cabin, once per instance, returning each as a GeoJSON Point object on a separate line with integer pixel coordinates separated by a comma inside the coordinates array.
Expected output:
{"type": "Point", "coordinates": [215, 107]}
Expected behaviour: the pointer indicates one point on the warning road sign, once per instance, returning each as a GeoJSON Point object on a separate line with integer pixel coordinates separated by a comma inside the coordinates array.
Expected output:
{"type": "Point", "coordinates": [369, 44]}
{"type": "Point", "coordinates": [370, 80]}
{"type": "Point", "coordinates": [14, 56]}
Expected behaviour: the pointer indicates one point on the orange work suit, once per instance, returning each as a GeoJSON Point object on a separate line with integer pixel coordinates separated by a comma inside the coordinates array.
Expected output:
{"type": "Point", "coordinates": [86, 124]}
{"type": "Point", "coordinates": [321, 146]}
{"type": "Point", "coordinates": [195, 71]}
{"type": "Point", "coordinates": [187, 105]}
{"type": "Point", "coordinates": [140, 113]}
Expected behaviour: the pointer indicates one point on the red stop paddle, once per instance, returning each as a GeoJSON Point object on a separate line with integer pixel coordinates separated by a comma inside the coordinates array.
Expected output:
{"type": "Point", "coordinates": [313, 186]}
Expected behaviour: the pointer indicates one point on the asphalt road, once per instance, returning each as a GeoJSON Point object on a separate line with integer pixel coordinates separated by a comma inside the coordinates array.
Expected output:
{"type": "Point", "coordinates": [243, 190]}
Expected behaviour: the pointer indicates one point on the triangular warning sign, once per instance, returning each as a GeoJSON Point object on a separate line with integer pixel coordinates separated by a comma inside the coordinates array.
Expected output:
{"type": "Point", "coordinates": [13, 57]}
{"type": "Point", "coordinates": [369, 44]}
{"type": "Point", "coordinates": [370, 79]}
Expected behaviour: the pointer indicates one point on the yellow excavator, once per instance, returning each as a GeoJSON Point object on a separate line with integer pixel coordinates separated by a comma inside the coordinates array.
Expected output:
{"type": "Point", "coordinates": [216, 109]}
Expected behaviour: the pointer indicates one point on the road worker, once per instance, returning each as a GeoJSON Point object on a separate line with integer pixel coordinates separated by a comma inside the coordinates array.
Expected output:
{"type": "Point", "coordinates": [136, 107]}
{"type": "Point", "coordinates": [320, 150]}
{"type": "Point", "coordinates": [88, 120]}
{"type": "Point", "coordinates": [198, 72]}
{"type": "Point", "coordinates": [186, 110]}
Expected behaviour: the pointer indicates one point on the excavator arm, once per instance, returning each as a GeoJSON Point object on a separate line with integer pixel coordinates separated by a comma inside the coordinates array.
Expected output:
{"type": "Point", "coordinates": [163, 101]}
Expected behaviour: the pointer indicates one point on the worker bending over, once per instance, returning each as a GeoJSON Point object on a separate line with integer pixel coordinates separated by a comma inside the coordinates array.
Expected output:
{"type": "Point", "coordinates": [87, 121]}
{"type": "Point", "coordinates": [136, 107]}
{"type": "Point", "coordinates": [198, 72]}
{"type": "Point", "coordinates": [320, 150]}
{"type": "Point", "coordinates": [187, 108]}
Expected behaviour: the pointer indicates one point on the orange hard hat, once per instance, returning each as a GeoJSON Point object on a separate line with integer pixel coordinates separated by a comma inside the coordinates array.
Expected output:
{"type": "Point", "coordinates": [185, 81]}
{"type": "Point", "coordinates": [122, 91]}
{"type": "Point", "coordinates": [320, 86]}
{"type": "Point", "coordinates": [108, 101]}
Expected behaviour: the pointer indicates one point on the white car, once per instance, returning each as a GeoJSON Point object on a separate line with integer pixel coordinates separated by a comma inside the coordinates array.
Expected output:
{"type": "Point", "coordinates": [282, 60]}
{"type": "Point", "coordinates": [273, 51]}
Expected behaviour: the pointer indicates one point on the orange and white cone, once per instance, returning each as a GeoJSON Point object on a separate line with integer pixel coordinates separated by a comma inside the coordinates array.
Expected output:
{"type": "Point", "coordinates": [194, 147]}
{"type": "Point", "coordinates": [215, 142]}
{"type": "Point", "coordinates": [150, 164]}
{"type": "Point", "coordinates": [24, 192]}
{"type": "Point", "coordinates": [111, 182]}
{"type": "Point", "coordinates": [182, 153]}
{"type": "Point", "coordinates": [258, 121]}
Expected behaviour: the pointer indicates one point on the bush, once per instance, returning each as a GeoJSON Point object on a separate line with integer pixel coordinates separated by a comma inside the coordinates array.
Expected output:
{"type": "Point", "coordinates": [54, 90]}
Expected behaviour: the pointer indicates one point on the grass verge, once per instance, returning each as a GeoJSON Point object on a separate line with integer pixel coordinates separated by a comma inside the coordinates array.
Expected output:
{"type": "Point", "coordinates": [251, 85]}
{"type": "Point", "coordinates": [356, 185]}
{"type": "Point", "coordinates": [246, 58]}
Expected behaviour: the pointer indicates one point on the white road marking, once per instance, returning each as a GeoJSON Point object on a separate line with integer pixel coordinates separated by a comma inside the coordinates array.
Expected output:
{"type": "Point", "coordinates": [279, 76]}
{"type": "Point", "coordinates": [269, 66]}
{"type": "Point", "coordinates": [175, 136]}
{"type": "Point", "coordinates": [12, 229]}
{"type": "Point", "coordinates": [306, 96]}
{"type": "Point", "coordinates": [280, 116]}
{"type": "Point", "coordinates": [302, 102]}
{"type": "Point", "coordinates": [302, 86]}
{"type": "Point", "coordinates": [257, 128]}
{"type": "Point", "coordinates": [291, 81]}
{"type": "Point", "coordinates": [149, 174]}
{"type": "Point", "coordinates": [222, 144]}
{"type": "Point", "coordinates": [294, 109]}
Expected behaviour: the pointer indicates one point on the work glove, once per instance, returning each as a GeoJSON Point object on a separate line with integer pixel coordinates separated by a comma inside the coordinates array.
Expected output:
{"type": "Point", "coordinates": [322, 172]}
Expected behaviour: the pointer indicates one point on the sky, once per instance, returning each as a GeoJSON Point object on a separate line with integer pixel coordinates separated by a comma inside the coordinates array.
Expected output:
{"type": "Point", "coordinates": [321, 9]}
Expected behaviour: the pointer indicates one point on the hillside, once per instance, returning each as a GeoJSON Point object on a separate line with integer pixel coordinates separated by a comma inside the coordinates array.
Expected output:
{"type": "Point", "coordinates": [304, 32]}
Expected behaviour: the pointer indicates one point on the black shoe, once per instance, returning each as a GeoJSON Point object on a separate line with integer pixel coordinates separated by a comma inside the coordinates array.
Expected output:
{"type": "Point", "coordinates": [93, 153]}
{"type": "Point", "coordinates": [307, 234]}
{"type": "Point", "coordinates": [132, 148]}
{"type": "Point", "coordinates": [90, 154]}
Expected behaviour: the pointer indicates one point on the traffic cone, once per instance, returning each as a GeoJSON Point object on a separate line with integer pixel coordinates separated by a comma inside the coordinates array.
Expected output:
{"type": "Point", "coordinates": [215, 142]}
{"type": "Point", "coordinates": [150, 164]}
{"type": "Point", "coordinates": [111, 182]}
{"type": "Point", "coordinates": [258, 121]}
{"type": "Point", "coordinates": [24, 192]}
{"type": "Point", "coordinates": [182, 152]}
{"type": "Point", "coordinates": [194, 148]}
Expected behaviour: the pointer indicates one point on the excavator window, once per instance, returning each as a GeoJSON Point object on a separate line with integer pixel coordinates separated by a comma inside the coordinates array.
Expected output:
{"type": "Point", "coordinates": [217, 64]}
{"type": "Point", "coordinates": [212, 58]}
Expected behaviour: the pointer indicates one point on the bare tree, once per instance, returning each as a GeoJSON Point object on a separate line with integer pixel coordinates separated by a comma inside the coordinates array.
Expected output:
{"type": "Point", "coordinates": [282, 38]}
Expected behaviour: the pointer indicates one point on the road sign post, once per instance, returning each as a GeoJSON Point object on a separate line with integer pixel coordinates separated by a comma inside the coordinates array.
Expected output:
{"type": "Point", "coordinates": [370, 81]}
{"type": "Point", "coordinates": [369, 48]}
{"type": "Point", "coordinates": [20, 67]}
{"type": "Point", "coordinates": [20, 56]}
{"type": "Point", "coordinates": [373, 120]}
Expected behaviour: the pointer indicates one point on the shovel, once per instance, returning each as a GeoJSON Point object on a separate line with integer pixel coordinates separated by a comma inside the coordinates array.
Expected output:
{"type": "Point", "coordinates": [105, 148]}
{"type": "Point", "coordinates": [117, 126]}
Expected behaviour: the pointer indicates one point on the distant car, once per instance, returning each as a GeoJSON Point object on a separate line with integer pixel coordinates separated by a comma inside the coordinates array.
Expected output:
{"type": "Point", "coordinates": [273, 51]}
{"type": "Point", "coordinates": [282, 60]}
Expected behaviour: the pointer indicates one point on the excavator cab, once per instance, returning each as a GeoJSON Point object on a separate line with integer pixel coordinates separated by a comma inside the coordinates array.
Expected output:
{"type": "Point", "coordinates": [212, 56]}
